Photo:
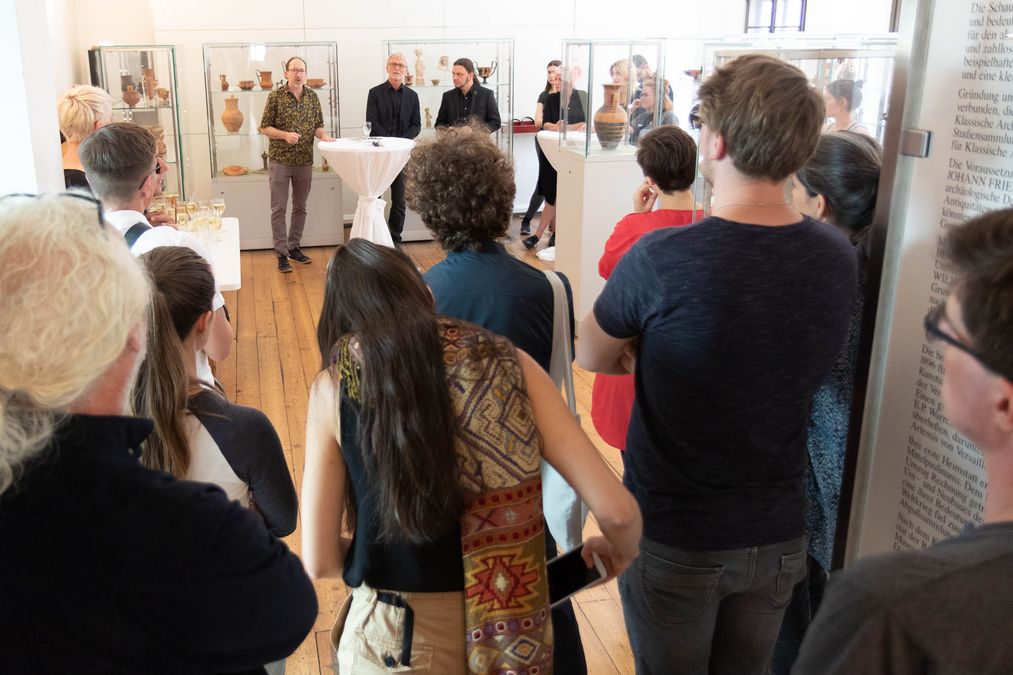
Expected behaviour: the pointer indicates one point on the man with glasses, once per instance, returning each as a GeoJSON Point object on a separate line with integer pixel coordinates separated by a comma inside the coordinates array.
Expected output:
{"type": "Point", "coordinates": [120, 164]}
{"type": "Point", "coordinates": [393, 110]}
{"type": "Point", "coordinates": [292, 119]}
{"type": "Point", "coordinates": [949, 607]}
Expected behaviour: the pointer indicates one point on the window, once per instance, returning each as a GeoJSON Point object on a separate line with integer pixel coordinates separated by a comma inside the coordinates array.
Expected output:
{"type": "Point", "coordinates": [775, 16]}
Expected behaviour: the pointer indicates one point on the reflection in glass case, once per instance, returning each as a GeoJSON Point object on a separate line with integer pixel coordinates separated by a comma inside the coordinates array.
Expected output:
{"type": "Point", "coordinates": [616, 82]}
{"type": "Point", "coordinates": [429, 74]}
{"type": "Point", "coordinates": [142, 81]}
{"type": "Point", "coordinates": [864, 59]}
{"type": "Point", "coordinates": [239, 78]}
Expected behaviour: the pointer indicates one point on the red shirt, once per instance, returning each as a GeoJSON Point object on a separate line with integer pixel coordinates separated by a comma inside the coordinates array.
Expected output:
{"type": "Point", "coordinates": [612, 395]}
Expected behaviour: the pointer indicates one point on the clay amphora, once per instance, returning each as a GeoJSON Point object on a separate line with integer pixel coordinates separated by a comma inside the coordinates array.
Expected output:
{"type": "Point", "coordinates": [232, 118]}
{"type": "Point", "coordinates": [610, 119]}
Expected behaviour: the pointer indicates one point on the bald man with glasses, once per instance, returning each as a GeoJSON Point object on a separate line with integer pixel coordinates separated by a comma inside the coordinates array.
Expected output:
{"type": "Point", "coordinates": [392, 108]}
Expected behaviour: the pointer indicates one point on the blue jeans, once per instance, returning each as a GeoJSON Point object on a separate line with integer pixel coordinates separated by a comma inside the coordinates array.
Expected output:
{"type": "Point", "coordinates": [708, 611]}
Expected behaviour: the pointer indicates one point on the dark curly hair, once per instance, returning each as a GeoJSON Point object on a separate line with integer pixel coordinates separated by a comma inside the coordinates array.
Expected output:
{"type": "Point", "coordinates": [462, 186]}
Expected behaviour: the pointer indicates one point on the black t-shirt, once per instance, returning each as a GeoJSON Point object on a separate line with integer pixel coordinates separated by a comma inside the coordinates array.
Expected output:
{"type": "Point", "coordinates": [552, 110]}
{"type": "Point", "coordinates": [75, 178]}
{"type": "Point", "coordinates": [737, 326]}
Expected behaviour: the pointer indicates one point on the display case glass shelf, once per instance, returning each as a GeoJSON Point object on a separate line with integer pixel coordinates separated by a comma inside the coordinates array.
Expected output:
{"type": "Point", "coordinates": [142, 82]}
{"type": "Point", "coordinates": [429, 67]}
{"type": "Point", "coordinates": [239, 77]}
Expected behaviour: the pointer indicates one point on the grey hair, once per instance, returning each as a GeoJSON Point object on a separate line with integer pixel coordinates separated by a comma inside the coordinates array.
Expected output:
{"type": "Point", "coordinates": [70, 294]}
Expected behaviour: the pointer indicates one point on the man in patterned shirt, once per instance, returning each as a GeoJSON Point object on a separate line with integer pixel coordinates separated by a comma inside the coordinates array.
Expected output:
{"type": "Point", "coordinates": [292, 118]}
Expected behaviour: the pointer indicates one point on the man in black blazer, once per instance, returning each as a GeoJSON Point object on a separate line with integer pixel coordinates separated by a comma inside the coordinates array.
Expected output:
{"type": "Point", "coordinates": [393, 110]}
{"type": "Point", "coordinates": [467, 99]}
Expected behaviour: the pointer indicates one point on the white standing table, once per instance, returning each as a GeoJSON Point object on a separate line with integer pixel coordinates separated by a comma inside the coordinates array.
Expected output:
{"type": "Point", "coordinates": [369, 170]}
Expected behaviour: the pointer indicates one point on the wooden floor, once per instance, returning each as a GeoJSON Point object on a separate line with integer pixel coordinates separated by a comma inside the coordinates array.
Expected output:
{"type": "Point", "coordinates": [272, 363]}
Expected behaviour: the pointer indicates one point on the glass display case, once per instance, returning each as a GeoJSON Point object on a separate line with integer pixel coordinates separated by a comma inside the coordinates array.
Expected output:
{"type": "Point", "coordinates": [867, 59]}
{"type": "Point", "coordinates": [142, 81]}
{"type": "Point", "coordinates": [429, 74]}
{"type": "Point", "coordinates": [608, 105]}
{"type": "Point", "coordinates": [239, 78]}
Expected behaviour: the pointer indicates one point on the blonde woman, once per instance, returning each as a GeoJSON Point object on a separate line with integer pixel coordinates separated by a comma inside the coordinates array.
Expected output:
{"type": "Point", "coordinates": [81, 109]}
{"type": "Point", "coordinates": [642, 115]}
{"type": "Point", "coordinates": [620, 72]}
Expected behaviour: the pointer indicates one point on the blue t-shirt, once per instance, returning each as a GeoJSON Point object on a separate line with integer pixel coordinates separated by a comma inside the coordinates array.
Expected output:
{"type": "Point", "coordinates": [737, 326]}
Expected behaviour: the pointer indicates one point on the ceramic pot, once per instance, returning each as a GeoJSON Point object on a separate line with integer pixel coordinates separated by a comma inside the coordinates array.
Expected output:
{"type": "Point", "coordinates": [163, 94]}
{"type": "Point", "coordinates": [265, 79]}
{"type": "Point", "coordinates": [232, 118]}
{"type": "Point", "coordinates": [148, 78]}
{"type": "Point", "coordinates": [225, 82]}
{"type": "Point", "coordinates": [610, 119]}
{"type": "Point", "coordinates": [131, 96]}
{"type": "Point", "coordinates": [246, 85]}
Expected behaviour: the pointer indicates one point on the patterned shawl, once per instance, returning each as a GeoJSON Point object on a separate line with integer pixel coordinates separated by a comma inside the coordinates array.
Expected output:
{"type": "Point", "coordinates": [506, 597]}
{"type": "Point", "coordinates": [506, 594]}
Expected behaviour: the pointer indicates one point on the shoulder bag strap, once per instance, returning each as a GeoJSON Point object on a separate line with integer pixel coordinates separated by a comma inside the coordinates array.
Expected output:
{"type": "Point", "coordinates": [561, 363]}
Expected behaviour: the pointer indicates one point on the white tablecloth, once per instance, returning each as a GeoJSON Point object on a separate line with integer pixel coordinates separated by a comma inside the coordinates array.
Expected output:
{"type": "Point", "coordinates": [225, 255]}
{"type": "Point", "coordinates": [369, 170]}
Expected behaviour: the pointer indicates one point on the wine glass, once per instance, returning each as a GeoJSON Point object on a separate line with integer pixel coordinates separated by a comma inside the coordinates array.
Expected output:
{"type": "Point", "coordinates": [218, 204]}
{"type": "Point", "coordinates": [191, 208]}
{"type": "Point", "coordinates": [367, 127]}
{"type": "Point", "coordinates": [182, 218]}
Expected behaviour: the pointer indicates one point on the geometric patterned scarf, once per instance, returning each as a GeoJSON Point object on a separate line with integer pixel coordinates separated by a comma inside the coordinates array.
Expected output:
{"type": "Point", "coordinates": [506, 594]}
{"type": "Point", "coordinates": [499, 450]}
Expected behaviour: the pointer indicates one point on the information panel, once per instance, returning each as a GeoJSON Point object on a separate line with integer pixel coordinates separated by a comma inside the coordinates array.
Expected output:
{"type": "Point", "coordinates": [918, 479]}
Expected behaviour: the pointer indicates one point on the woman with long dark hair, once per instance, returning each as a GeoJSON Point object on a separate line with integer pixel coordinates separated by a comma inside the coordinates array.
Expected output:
{"type": "Point", "coordinates": [838, 185]}
{"type": "Point", "coordinates": [427, 433]}
{"type": "Point", "coordinates": [199, 435]}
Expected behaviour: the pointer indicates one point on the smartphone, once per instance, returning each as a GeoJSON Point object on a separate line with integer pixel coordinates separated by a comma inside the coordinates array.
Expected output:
{"type": "Point", "coordinates": [568, 574]}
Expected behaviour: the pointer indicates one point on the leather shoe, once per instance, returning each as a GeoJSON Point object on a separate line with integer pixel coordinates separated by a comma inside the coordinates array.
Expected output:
{"type": "Point", "coordinates": [530, 242]}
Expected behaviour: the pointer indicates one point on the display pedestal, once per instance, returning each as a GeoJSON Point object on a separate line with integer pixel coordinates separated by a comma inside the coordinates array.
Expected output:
{"type": "Point", "coordinates": [249, 199]}
{"type": "Point", "coordinates": [593, 194]}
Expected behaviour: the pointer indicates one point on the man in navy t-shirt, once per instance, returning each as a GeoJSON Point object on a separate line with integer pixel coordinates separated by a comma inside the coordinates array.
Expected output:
{"type": "Point", "coordinates": [732, 324]}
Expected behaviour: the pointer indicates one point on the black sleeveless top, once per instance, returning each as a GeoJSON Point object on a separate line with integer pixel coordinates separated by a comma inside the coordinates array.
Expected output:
{"type": "Point", "coordinates": [390, 565]}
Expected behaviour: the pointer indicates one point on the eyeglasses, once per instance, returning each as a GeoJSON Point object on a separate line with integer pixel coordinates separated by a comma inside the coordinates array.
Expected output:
{"type": "Point", "coordinates": [72, 195]}
{"type": "Point", "coordinates": [297, 71]}
{"type": "Point", "coordinates": [157, 172]}
{"type": "Point", "coordinates": [398, 66]}
{"type": "Point", "coordinates": [932, 330]}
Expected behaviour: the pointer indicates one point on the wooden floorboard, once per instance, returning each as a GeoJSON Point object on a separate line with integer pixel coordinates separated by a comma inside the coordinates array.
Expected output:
{"type": "Point", "coordinates": [273, 362]}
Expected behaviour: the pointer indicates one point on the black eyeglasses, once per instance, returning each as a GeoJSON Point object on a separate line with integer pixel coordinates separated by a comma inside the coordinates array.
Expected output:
{"type": "Point", "coordinates": [934, 332]}
{"type": "Point", "coordinates": [157, 172]}
{"type": "Point", "coordinates": [73, 195]}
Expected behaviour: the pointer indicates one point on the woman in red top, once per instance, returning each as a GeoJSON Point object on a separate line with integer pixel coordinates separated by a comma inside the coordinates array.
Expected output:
{"type": "Point", "coordinates": [667, 156]}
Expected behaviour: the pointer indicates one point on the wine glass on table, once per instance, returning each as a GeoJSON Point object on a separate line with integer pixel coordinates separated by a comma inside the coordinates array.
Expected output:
{"type": "Point", "coordinates": [218, 204]}
{"type": "Point", "coordinates": [367, 127]}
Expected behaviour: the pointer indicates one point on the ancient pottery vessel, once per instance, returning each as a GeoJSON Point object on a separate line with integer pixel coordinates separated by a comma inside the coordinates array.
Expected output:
{"type": "Point", "coordinates": [486, 71]}
{"type": "Point", "coordinates": [163, 94]}
{"type": "Point", "coordinates": [610, 119]}
{"type": "Point", "coordinates": [265, 79]}
{"type": "Point", "coordinates": [232, 118]}
{"type": "Point", "coordinates": [246, 85]}
{"type": "Point", "coordinates": [131, 96]}
{"type": "Point", "coordinates": [225, 83]}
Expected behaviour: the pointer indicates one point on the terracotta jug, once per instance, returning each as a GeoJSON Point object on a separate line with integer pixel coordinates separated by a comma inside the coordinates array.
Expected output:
{"type": "Point", "coordinates": [131, 96]}
{"type": "Point", "coordinates": [232, 118]}
{"type": "Point", "coordinates": [225, 83]}
{"type": "Point", "coordinates": [265, 79]}
{"type": "Point", "coordinates": [148, 77]}
{"type": "Point", "coordinates": [610, 119]}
